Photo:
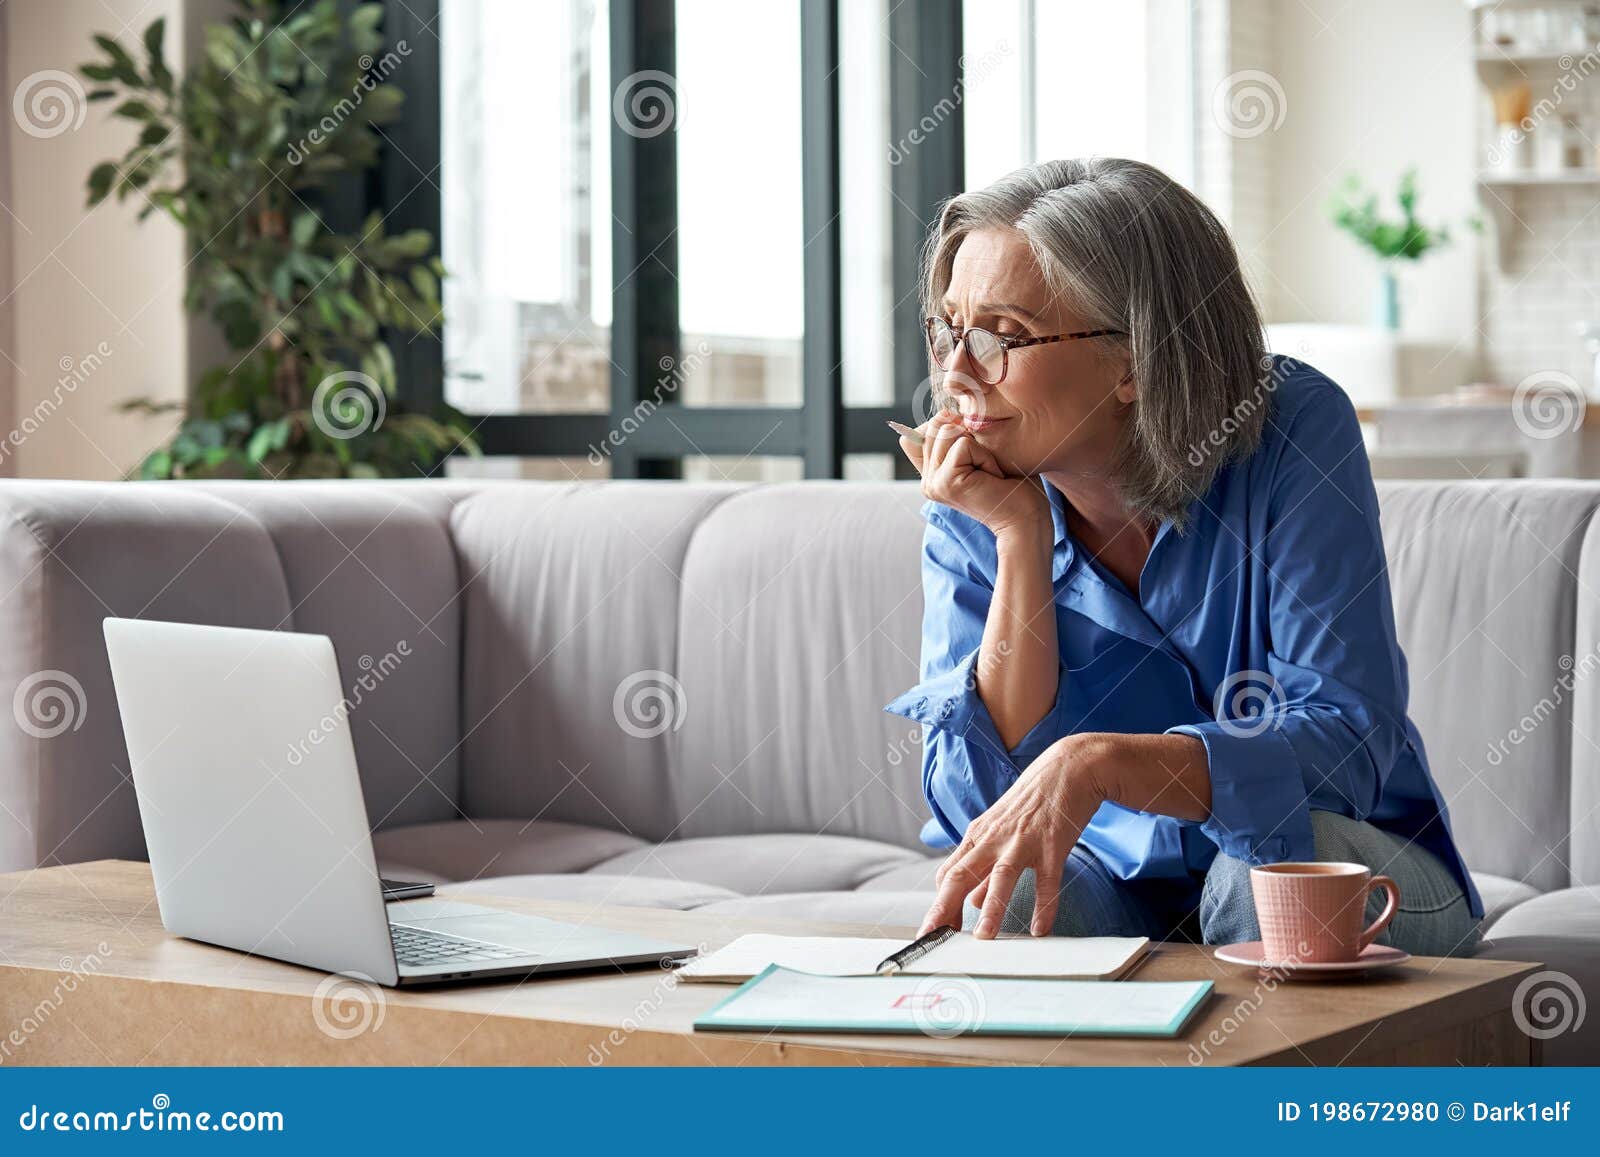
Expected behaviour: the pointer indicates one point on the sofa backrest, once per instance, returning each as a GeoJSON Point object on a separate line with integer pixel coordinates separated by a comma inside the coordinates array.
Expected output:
{"type": "Point", "coordinates": [1486, 583]}
{"type": "Point", "coordinates": [671, 659]}
{"type": "Point", "coordinates": [369, 564]}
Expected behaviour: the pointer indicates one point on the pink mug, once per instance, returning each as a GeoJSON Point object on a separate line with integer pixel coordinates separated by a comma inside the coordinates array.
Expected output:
{"type": "Point", "coordinates": [1312, 913]}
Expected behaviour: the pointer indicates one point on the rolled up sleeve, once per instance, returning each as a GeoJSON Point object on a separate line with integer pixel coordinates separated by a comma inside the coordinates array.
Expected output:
{"type": "Point", "coordinates": [1323, 726]}
{"type": "Point", "coordinates": [965, 765]}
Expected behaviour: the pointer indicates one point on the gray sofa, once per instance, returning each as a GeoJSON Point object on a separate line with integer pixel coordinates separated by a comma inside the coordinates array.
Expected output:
{"type": "Point", "coordinates": [669, 694]}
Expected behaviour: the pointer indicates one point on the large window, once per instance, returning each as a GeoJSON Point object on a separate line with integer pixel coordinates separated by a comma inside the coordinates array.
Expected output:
{"type": "Point", "coordinates": [683, 238]}
{"type": "Point", "coordinates": [1115, 81]}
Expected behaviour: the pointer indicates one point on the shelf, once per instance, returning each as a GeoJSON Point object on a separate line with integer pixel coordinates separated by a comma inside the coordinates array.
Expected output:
{"type": "Point", "coordinates": [1498, 193]}
{"type": "Point", "coordinates": [1537, 179]}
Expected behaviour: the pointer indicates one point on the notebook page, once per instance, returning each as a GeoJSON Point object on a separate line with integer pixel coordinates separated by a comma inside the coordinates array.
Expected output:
{"type": "Point", "coordinates": [824, 955]}
{"type": "Point", "coordinates": [790, 1000]}
{"type": "Point", "coordinates": [1081, 957]}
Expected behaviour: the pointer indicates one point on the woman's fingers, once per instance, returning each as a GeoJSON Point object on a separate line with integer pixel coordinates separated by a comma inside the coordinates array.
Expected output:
{"type": "Point", "coordinates": [997, 894]}
{"type": "Point", "coordinates": [976, 896]}
{"type": "Point", "coordinates": [1046, 894]}
{"type": "Point", "coordinates": [961, 875]}
{"type": "Point", "coordinates": [944, 436]}
{"type": "Point", "coordinates": [913, 452]}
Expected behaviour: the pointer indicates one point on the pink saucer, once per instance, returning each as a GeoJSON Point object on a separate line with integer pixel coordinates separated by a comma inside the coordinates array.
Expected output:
{"type": "Point", "coordinates": [1373, 956]}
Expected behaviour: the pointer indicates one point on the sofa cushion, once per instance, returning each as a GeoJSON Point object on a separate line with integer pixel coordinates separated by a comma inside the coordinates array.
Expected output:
{"type": "Point", "coordinates": [1485, 585]}
{"type": "Point", "coordinates": [801, 617]}
{"type": "Point", "coordinates": [470, 849]}
{"type": "Point", "coordinates": [890, 913]}
{"type": "Point", "coordinates": [1573, 912]}
{"type": "Point", "coordinates": [1500, 895]}
{"type": "Point", "coordinates": [371, 566]}
{"type": "Point", "coordinates": [761, 865]}
{"type": "Point", "coordinates": [914, 877]}
{"type": "Point", "coordinates": [1561, 931]}
{"type": "Point", "coordinates": [569, 605]}
{"type": "Point", "coordinates": [594, 888]}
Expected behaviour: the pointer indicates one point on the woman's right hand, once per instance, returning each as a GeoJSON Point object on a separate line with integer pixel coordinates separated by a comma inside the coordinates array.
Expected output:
{"type": "Point", "coordinates": [959, 473]}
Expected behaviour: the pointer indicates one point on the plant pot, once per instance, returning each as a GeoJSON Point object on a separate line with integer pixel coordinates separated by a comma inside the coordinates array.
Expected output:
{"type": "Point", "coordinates": [1386, 306]}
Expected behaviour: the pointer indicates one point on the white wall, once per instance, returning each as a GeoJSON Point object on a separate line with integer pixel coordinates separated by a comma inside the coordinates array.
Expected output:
{"type": "Point", "coordinates": [1374, 87]}
{"type": "Point", "coordinates": [84, 282]}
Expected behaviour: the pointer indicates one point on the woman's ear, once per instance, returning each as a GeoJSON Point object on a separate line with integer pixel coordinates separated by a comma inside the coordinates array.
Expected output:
{"type": "Point", "coordinates": [1127, 389]}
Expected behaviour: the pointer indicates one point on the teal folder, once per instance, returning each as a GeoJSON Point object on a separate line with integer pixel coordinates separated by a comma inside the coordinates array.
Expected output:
{"type": "Point", "coordinates": [783, 1000]}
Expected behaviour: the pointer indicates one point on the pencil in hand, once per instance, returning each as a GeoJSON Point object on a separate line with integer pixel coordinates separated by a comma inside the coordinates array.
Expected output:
{"type": "Point", "coordinates": [906, 432]}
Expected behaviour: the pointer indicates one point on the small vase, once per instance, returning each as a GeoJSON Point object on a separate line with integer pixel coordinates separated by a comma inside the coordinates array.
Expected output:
{"type": "Point", "coordinates": [1386, 306]}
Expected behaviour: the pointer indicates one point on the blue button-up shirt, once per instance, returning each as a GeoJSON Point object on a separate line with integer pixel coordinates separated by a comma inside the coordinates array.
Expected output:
{"type": "Point", "coordinates": [1264, 628]}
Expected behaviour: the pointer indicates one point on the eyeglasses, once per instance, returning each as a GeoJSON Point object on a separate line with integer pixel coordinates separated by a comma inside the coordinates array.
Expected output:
{"type": "Point", "coordinates": [989, 352]}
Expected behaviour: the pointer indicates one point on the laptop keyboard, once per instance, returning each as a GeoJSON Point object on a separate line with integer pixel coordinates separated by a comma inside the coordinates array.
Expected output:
{"type": "Point", "coordinates": [416, 946]}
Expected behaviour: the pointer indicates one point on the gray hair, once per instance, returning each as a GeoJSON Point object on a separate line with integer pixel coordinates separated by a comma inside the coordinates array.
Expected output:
{"type": "Point", "coordinates": [1131, 249]}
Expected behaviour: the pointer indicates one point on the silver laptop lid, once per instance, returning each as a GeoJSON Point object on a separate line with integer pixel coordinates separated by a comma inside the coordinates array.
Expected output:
{"type": "Point", "coordinates": [247, 787]}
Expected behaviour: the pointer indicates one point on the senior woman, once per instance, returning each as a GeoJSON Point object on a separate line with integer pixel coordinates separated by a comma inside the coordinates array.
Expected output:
{"type": "Point", "coordinates": [1158, 642]}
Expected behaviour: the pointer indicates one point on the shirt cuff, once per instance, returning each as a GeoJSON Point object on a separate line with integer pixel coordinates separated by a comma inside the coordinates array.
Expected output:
{"type": "Point", "coordinates": [951, 702]}
{"type": "Point", "coordinates": [1259, 809]}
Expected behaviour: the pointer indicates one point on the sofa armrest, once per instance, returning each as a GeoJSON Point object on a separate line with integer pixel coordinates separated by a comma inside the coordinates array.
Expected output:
{"type": "Point", "coordinates": [72, 554]}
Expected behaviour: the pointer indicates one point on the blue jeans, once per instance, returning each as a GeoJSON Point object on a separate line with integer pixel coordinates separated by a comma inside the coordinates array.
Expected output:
{"type": "Point", "coordinates": [1433, 920]}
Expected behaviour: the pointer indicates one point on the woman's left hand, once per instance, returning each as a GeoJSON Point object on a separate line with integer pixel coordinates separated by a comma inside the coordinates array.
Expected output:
{"type": "Point", "coordinates": [1033, 825]}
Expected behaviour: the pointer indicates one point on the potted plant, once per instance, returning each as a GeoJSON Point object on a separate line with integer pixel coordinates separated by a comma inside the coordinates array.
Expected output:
{"type": "Point", "coordinates": [238, 153]}
{"type": "Point", "coordinates": [1355, 210]}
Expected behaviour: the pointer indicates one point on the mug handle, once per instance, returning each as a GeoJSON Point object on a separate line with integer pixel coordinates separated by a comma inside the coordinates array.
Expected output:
{"type": "Point", "coordinates": [1386, 915]}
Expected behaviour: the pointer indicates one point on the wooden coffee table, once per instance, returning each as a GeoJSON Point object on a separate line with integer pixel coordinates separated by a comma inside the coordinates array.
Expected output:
{"type": "Point", "coordinates": [89, 976]}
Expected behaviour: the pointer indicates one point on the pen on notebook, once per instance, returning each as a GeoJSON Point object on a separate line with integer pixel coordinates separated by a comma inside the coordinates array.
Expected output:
{"type": "Point", "coordinates": [906, 432]}
{"type": "Point", "coordinates": [916, 950]}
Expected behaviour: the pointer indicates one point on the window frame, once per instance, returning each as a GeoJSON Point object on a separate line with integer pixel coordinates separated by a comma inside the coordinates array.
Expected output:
{"type": "Point", "coordinates": [924, 68]}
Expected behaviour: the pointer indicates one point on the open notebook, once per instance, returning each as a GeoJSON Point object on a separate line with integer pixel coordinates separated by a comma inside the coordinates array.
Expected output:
{"type": "Point", "coordinates": [1018, 957]}
{"type": "Point", "coordinates": [780, 1000]}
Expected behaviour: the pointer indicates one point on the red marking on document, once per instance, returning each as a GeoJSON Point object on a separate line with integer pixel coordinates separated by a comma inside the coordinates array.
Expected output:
{"type": "Point", "coordinates": [917, 1000]}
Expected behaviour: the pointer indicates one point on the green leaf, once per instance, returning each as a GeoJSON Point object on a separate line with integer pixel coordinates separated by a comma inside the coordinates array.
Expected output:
{"type": "Point", "coordinates": [156, 465]}
{"type": "Point", "coordinates": [135, 110]}
{"type": "Point", "coordinates": [122, 65]}
{"type": "Point", "coordinates": [154, 134]}
{"type": "Point", "coordinates": [99, 72]}
{"type": "Point", "coordinates": [305, 228]}
{"type": "Point", "coordinates": [261, 442]}
{"type": "Point", "coordinates": [160, 74]}
{"type": "Point", "coordinates": [411, 243]}
{"type": "Point", "coordinates": [100, 178]}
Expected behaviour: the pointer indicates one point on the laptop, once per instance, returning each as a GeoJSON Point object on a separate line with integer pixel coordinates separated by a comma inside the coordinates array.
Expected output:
{"type": "Point", "coordinates": [257, 831]}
